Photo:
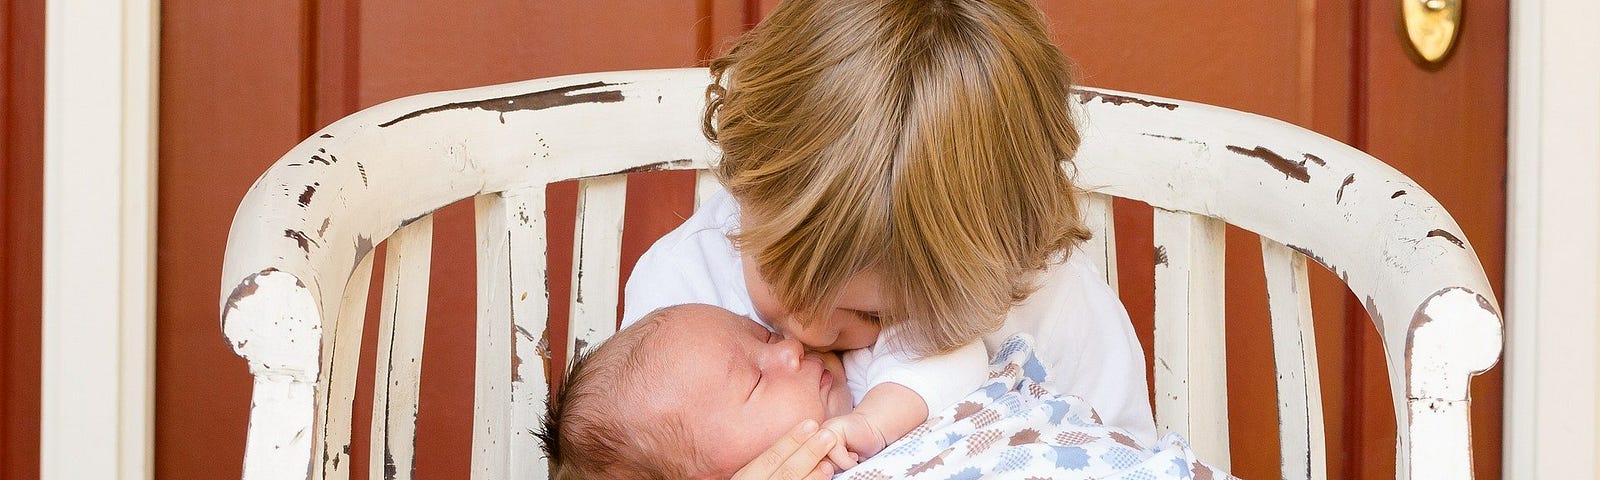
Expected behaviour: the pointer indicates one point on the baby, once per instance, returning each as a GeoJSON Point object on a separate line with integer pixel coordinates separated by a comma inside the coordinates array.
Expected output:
{"type": "Point", "coordinates": [696, 391]}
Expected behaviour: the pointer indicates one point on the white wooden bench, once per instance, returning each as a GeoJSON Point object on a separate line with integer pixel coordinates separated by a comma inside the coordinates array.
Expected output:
{"type": "Point", "coordinates": [297, 265]}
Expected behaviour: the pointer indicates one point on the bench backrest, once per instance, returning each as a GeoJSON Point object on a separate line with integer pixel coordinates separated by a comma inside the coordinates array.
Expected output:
{"type": "Point", "coordinates": [298, 263]}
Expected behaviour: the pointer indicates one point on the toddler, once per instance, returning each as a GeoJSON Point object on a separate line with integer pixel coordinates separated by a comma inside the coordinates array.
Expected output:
{"type": "Point", "coordinates": [896, 178]}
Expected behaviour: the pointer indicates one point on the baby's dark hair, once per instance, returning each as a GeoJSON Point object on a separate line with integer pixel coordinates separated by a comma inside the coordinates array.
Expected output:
{"type": "Point", "coordinates": [600, 427]}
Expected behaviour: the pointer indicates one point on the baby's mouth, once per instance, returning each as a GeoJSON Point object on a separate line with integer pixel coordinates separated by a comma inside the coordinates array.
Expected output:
{"type": "Point", "coordinates": [825, 377]}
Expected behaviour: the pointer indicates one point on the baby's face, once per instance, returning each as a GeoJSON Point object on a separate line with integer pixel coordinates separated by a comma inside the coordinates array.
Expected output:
{"type": "Point", "coordinates": [739, 386]}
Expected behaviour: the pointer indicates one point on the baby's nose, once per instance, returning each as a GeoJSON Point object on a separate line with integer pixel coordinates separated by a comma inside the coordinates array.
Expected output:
{"type": "Point", "coordinates": [790, 351]}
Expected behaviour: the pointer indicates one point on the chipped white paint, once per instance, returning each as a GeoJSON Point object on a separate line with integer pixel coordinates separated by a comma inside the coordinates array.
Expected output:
{"type": "Point", "coordinates": [273, 316]}
{"type": "Point", "coordinates": [316, 212]}
{"type": "Point", "coordinates": [398, 372]}
{"type": "Point", "coordinates": [1453, 333]}
{"type": "Point", "coordinates": [281, 435]}
{"type": "Point", "coordinates": [509, 385]}
{"type": "Point", "coordinates": [596, 260]}
{"type": "Point", "coordinates": [491, 391]}
{"type": "Point", "coordinates": [342, 352]}
{"type": "Point", "coordinates": [1294, 352]}
{"type": "Point", "coordinates": [1191, 371]}
{"type": "Point", "coordinates": [530, 348]}
{"type": "Point", "coordinates": [511, 388]}
{"type": "Point", "coordinates": [1391, 242]}
{"type": "Point", "coordinates": [1102, 248]}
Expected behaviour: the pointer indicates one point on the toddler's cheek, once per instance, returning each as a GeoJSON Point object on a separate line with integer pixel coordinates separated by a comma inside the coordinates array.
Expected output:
{"type": "Point", "coordinates": [860, 335]}
{"type": "Point", "coordinates": [812, 337]}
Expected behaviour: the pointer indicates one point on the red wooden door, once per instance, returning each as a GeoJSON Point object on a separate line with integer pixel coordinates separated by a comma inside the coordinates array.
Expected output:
{"type": "Point", "coordinates": [1339, 68]}
{"type": "Point", "coordinates": [243, 82]}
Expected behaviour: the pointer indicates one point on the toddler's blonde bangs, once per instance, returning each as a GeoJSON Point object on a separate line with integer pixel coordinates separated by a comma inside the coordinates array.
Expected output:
{"type": "Point", "coordinates": [922, 139]}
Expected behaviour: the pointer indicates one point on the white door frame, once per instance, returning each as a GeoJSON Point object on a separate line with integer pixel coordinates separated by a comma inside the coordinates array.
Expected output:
{"type": "Point", "coordinates": [1553, 259]}
{"type": "Point", "coordinates": [98, 329]}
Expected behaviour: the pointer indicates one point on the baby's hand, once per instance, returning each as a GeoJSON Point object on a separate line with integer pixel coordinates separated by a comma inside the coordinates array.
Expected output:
{"type": "Point", "coordinates": [859, 439]}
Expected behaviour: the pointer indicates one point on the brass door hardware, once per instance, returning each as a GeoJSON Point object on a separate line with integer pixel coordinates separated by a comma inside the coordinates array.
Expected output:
{"type": "Point", "coordinates": [1432, 27]}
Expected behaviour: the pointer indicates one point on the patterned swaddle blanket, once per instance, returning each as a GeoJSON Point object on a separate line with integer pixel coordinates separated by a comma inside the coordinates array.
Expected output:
{"type": "Point", "coordinates": [1014, 427]}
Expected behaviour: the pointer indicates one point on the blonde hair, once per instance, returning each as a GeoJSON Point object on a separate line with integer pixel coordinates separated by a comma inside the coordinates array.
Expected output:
{"type": "Point", "coordinates": [597, 427]}
{"type": "Point", "coordinates": [925, 139]}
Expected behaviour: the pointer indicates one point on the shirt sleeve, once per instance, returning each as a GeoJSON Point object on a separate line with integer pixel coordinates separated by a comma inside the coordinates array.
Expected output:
{"type": "Point", "coordinates": [1110, 372]}
{"type": "Point", "coordinates": [694, 263]}
{"type": "Point", "coordinates": [1086, 340]}
{"type": "Point", "coordinates": [941, 380]}
{"type": "Point", "coordinates": [656, 282]}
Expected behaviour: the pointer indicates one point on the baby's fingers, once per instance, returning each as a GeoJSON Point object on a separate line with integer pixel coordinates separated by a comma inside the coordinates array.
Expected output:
{"type": "Point", "coordinates": [823, 471]}
{"type": "Point", "coordinates": [842, 457]}
{"type": "Point", "coordinates": [796, 456]}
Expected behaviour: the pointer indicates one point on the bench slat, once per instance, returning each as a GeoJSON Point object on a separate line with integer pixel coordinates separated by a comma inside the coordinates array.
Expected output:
{"type": "Point", "coordinates": [1190, 370]}
{"type": "Point", "coordinates": [397, 379]}
{"type": "Point", "coordinates": [705, 185]}
{"type": "Point", "coordinates": [596, 260]}
{"type": "Point", "coordinates": [1294, 351]}
{"type": "Point", "coordinates": [340, 353]}
{"type": "Point", "coordinates": [512, 314]}
{"type": "Point", "coordinates": [1102, 249]}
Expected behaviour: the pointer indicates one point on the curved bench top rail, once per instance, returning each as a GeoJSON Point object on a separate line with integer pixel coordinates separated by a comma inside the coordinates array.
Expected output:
{"type": "Point", "coordinates": [1391, 242]}
{"type": "Point", "coordinates": [1388, 239]}
{"type": "Point", "coordinates": [325, 203]}
{"type": "Point", "coordinates": [316, 212]}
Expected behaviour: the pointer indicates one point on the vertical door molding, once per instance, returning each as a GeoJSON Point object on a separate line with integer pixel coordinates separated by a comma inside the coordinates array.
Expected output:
{"type": "Point", "coordinates": [1553, 264]}
{"type": "Point", "coordinates": [99, 219]}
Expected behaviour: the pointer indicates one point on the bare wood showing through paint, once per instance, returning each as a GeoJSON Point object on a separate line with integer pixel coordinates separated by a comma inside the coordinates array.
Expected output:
{"type": "Point", "coordinates": [398, 373]}
{"type": "Point", "coordinates": [342, 352]}
{"type": "Point", "coordinates": [1191, 371]}
{"type": "Point", "coordinates": [526, 279]}
{"type": "Point", "coordinates": [1294, 351]}
{"type": "Point", "coordinates": [491, 394]}
{"type": "Point", "coordinates": [511, 326]}
{"type": "Point", "coordinates": [596, 260]}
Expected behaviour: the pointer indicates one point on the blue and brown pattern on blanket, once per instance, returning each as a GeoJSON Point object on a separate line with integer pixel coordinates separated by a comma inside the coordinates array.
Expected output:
{"type": "Point", "coordinates": [1014, 427]}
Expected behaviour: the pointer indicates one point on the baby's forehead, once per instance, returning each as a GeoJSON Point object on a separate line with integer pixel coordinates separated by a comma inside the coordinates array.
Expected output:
{"type": "Point", "coordinates": [687, 358]}
{"type": "Point", "coordinates": [675, 330]}
{"type": "Point", "coordinates": [702, 320]}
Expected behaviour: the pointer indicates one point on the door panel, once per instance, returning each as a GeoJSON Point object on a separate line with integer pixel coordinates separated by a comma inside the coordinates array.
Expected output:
{"type": "Point", "coordinates": [1338, 68]}
{"type": "Point", "coordinates": [231, 103]}
{"type": "Point", "coordinates": [1447, 130]}
{"type": "Point", "coordinates": [421, 47]}
{"type": "Point", "coordinates": [295, 67]}
{"type": "Point", "coordinates": [1274, 63]}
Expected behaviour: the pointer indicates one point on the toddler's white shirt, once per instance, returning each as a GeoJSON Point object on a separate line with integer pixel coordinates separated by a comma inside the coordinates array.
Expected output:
{"type": "Point", "coordinates": [1082, 331]}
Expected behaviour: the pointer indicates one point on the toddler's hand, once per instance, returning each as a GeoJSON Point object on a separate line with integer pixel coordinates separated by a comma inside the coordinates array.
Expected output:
{"type": "Point", "coordinates": [859, 439]}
